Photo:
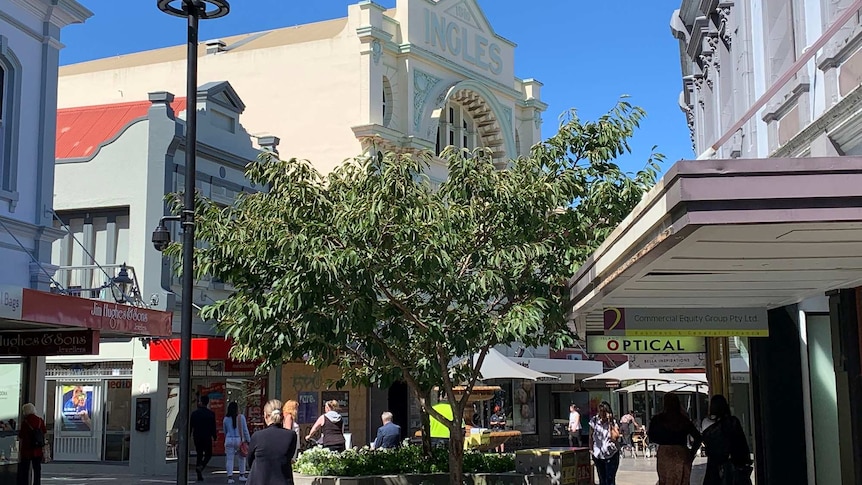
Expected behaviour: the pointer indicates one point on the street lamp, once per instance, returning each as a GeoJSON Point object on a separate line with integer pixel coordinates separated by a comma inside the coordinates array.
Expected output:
{"type": "Point", "coordinates": [193, 11]}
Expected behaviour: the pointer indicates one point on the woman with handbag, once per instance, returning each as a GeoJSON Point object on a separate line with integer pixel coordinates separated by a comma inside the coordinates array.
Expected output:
{"type": "Point", "coordinates": [728, 458]}
{"type": "Point", "coordinates": [236, 438]}
{"type": "Point", "coordinates": [31, 445]}
{"type": "Point", "coordinates": [672, 430]}
{"type": "Point", "coordinates": [604, 444]}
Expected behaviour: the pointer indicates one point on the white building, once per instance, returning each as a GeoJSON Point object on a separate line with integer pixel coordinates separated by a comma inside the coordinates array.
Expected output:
{"type": "Point", "coordinates": [124, 158]}
{"type": "Point", "coordinates": [29, 52]}
{"type": "Point", "coordinates": [325, 88]}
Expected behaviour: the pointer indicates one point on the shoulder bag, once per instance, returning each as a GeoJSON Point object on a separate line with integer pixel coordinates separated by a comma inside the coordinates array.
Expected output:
{"type": "Point", "coordinates": [244, 438]}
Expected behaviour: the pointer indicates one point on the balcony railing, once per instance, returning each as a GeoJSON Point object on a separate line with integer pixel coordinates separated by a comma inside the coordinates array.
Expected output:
{"type": "Point", "coordinates": [100, 282]}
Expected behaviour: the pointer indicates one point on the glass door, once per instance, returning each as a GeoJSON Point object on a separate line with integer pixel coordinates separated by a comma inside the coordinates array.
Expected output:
{"type": "Point", "coordinates": [11, 387]}
{"type": "Point", "coordinates": [78, 421]}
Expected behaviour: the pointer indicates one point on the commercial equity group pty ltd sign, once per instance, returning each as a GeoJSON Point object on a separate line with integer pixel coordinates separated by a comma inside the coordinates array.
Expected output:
{"type": "Point", "coordinates": [605, 344]}
{"type": "Point", "coordinates": [692, 322]}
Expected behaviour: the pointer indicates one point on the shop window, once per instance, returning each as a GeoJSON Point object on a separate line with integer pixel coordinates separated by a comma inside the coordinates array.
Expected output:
{"type": "Point", "coordinates": [223, 384]}
{"type": "Point", "coordinates": [11, 383]}
{"type": "Point", "coordinates": [456, 128]}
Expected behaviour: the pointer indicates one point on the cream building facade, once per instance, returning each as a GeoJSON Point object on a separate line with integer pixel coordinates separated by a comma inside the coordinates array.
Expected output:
{"type": "Point", "coordinates": [421, 76]}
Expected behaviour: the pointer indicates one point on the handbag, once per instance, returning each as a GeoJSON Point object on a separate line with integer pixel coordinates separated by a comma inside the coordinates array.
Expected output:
{"type": "Point", "coordinates": [731, 474]}
{"type": "Point", "coordinates": [244, 438]}
{"type": "Point", "coordinates": [46, 453]}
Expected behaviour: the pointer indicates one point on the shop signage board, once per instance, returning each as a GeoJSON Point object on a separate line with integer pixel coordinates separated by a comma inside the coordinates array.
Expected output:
{"type": "Point", "coordinates": [692, 322]}
{"type": "Point", "coordinates": [667, 361]}
{"type": "Point", "coordinates": [652, 344]}
{"type": "Point", "coordinates": [10, 302]}
{"type": "Point", "coordinates": [30, 344]}
{"type": "Point", "coordinates": [71, 311]}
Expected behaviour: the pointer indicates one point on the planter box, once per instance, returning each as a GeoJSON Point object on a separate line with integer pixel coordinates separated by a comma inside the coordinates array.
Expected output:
{"type": "Point", "coordinates": [426, 479]}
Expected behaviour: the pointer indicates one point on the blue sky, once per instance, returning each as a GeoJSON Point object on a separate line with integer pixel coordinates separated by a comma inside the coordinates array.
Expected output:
{"type": "Point", "coordinates": [586, 52]}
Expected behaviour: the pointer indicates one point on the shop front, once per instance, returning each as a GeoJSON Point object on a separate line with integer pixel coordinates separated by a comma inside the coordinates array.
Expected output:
{"type": "Point", "coordinates": [86, 406]}
{"type": "Point", "coordinates": [216, 375]}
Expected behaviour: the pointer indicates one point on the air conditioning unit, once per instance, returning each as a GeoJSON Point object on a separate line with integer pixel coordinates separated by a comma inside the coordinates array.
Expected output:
{"type": "Point", "coordinates": [574, 357]}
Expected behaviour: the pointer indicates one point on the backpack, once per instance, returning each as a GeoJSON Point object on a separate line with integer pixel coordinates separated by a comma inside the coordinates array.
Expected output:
{"type": "Point", "coordinates": [716, 438]}
{"type": "Point", "coordinates": [37, 437]}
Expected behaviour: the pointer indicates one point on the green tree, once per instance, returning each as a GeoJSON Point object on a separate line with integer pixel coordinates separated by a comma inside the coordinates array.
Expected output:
{"type": "Point", "coordinates": [371, 269]}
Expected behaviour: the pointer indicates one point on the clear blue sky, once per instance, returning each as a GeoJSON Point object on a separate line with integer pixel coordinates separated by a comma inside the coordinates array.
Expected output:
{"type": "Point", "coordinates": [586, 52]}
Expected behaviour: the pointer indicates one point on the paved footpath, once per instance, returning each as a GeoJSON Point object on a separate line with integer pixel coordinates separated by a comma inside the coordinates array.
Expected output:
{"type": "Point", "coordinates": [633, 471]}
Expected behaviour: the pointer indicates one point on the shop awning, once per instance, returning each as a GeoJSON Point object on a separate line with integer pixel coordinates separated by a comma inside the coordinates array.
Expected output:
{"type": "Point", "coordinates": [26, 310]}
{"type": "Point", "coordinates": [665, 387]}
{"type": "Point", "coordinates": [624, 373]}
{"type": "Point", "coordinates": [498, 366]}
{"type": "Point", "coordinates": [729, 234]}
{"type": "Point", "coordinates": [204, 348]}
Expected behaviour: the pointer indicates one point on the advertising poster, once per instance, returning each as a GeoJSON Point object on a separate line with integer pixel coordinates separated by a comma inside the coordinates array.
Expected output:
{"type": "Point", "coordinates": [77, 409]}
{"type": "Point", "coordinates": [343, 398]}
{"type": "Point", "coordinates": [308, 408]}
{"type": "Point", "coordinates": [255, 390]}
{"type": "Point", "coordinates": [10, 396]}
{"type": "Point", "coordinates": [216, 393]}
{"type": "Point", "coordinates": [524, 406]}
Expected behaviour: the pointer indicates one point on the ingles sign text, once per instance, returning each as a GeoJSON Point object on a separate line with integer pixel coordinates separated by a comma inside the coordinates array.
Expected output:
{"type": "Point", "coordinates": [457, 39]}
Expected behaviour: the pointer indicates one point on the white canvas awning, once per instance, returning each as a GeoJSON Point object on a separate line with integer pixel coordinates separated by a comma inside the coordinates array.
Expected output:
{"type": "Point", "coordinates": [677, 387]}
{"type": "Point", "coordinates": [498, 366]}
{"type": "Point", "coordinates": [624, 373]}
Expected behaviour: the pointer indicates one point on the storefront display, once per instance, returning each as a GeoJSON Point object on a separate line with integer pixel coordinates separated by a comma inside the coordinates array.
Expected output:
{"type": "Point", "coordinates": [11, 380]}
{"type": "Point", "coordinates": [211, 378]}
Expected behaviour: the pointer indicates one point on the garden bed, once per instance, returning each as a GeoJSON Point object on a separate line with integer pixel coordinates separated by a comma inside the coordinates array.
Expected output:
{"type": "Point", "coordinates": [426, 479]}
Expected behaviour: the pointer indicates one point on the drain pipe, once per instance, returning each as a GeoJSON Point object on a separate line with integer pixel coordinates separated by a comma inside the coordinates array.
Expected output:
{"type": "Point", "coordinates": [807, 55]}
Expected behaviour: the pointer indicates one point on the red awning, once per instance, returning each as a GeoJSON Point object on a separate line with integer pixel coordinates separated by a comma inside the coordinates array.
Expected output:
{"type": "Point", "coordinates": [26, 309]}
{"type": "Point", "coordinates": [202, 349]}
{"type": "Point", "coordinates": [211, 348]}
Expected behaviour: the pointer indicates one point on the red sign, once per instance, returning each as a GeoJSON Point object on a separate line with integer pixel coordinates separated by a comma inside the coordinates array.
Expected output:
{"type": "Point", "coordinates": [214, 348]}
{"type": "Point", "coordinates": [49, 343]}
{"type": "Point", "coordinates": [109, 318]}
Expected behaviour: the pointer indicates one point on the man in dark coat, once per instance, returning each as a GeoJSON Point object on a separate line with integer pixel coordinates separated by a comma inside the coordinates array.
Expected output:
{"type": "Point", "coordinates": [204, 432]}
{"type": "Point", "coordinates": [388, 435]}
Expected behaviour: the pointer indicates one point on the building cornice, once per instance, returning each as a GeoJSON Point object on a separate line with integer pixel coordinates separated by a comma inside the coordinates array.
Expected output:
{"type": "Point", "coordinates": [58, 12]}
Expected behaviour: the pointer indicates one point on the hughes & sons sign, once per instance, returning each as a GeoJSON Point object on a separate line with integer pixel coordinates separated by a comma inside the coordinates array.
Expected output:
{"type": "Point", "coordinates": [76, 342]}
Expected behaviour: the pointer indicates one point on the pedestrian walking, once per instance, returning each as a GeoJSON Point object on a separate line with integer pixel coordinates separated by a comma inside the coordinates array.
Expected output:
{"type": "Point", "coordinates": [236, 440]}
{"type": "Point", "coordinates": [31, 441]}
{"type": "Point", "coordinates": [604, 444]}
{"type": "Point", "coordinates": [290, 413]}
{"type": "Point", "coordinates": [331, 426]}
{"type": "Point", "coordinates": [678, 440]}
{"type": "Point", "coordinates": [204, 432]}
{"type": "Point", "coordinates": [628, 427]}
{"type": "Point", "coordinates": [728, 458]}
{"type": "Point", "coordinates": [270, 454]}
{"type": "Point", "coordinates": [574, 426]}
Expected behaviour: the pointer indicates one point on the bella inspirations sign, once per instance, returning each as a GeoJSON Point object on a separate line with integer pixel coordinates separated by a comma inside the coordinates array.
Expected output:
{"type": "Point", "coordinates": [461, 38]}
{"type": "Point", "coordinates": [692, 322]}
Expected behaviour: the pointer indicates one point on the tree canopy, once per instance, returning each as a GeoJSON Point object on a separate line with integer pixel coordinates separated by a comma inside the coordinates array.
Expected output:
{"type": "Point", "coordinates": [375, 270]}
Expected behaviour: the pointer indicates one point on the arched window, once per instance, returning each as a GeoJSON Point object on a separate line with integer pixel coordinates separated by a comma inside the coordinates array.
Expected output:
{"type": "Point", "coordinates": [456, 128]}
{"type": "Point", "coordinates": [10, 107]}
{"type": "Point", "coordinates": [387, 101]}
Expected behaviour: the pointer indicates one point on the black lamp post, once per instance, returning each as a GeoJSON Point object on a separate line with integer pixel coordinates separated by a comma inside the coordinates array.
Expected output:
{"type": "Point", "coordinates": [193, 10]}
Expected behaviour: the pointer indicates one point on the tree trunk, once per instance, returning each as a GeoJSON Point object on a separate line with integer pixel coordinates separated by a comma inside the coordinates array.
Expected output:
{"type": "Point", "coordinates": [426, 433]}
{"type": "Point", "coordinates": [456, 454]}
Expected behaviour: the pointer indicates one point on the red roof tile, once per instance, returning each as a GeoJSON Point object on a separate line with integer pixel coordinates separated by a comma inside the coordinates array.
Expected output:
{"type": "Point", "coordinates": [81, 131]}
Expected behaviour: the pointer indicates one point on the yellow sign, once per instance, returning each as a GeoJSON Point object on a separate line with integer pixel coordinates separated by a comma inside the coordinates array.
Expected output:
{"type": "Point", "coordinates": [649, 344]}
